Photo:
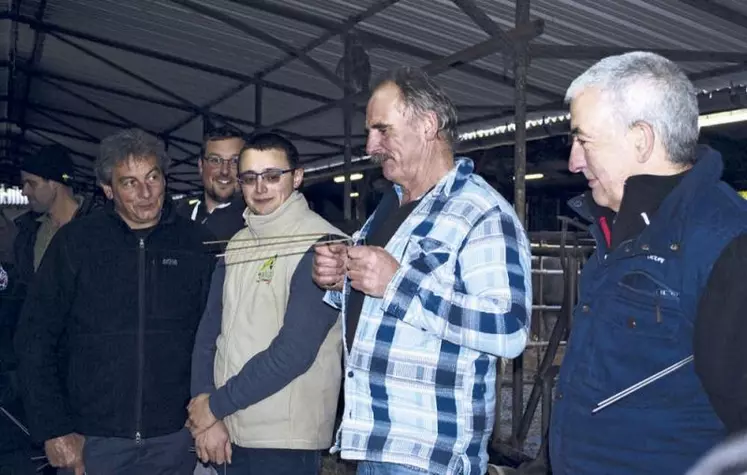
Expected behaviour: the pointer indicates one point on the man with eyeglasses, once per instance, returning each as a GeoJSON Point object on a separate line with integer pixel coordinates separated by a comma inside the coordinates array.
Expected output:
{"type": "Point", "coordinates": [220, 207]}
{"type": "Point", "coordinates": [266, 365]}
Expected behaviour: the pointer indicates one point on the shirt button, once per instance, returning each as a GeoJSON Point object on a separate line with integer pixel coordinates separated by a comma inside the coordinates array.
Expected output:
{"type": "Point", "coordinates": [631, 322]}
{"type": "Point", "coordinates": [585, 309]}
{"type": "Point", "coordinates": [350, 374]}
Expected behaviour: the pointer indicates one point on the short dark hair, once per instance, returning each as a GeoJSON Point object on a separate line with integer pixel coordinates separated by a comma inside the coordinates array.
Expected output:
{"type": "Point", "coordinates": [420, 94]}
{"type": "Point", "coordinates": [271, 141]}
{"type": "Point", "coordinates": [125, 145]}
{"type": "Point", "coordinates": [220, 133]}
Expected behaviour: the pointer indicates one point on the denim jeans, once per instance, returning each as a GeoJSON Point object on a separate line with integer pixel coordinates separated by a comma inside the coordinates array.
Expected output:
{"type": "Point", "coordinates": [383, 468]}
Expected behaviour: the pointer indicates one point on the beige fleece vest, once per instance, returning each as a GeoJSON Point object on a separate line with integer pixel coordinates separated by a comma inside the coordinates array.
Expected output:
{"type": "Point", "coordinates": [259, 268]}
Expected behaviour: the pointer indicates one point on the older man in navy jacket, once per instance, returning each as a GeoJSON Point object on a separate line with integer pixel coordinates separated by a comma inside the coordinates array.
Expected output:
{"type": "Point", "coordinates": [669, 233]}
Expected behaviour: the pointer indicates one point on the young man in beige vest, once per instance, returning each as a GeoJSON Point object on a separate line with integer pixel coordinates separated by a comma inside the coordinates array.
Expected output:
{"type": "Point", "coordinates": [266, 365]}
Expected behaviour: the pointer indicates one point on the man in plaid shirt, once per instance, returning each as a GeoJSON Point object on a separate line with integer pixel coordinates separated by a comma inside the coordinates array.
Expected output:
{"type": "Point", "coordinates": [436, 286]}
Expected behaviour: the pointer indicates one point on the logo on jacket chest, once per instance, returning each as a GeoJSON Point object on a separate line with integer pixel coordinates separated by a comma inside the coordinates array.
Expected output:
{"type": "Point", "coordinates": [169, 261]}
{"type": "Point", "coordinates": [657, 259]}
{"type": "Point", "coordinates": [267, 270]}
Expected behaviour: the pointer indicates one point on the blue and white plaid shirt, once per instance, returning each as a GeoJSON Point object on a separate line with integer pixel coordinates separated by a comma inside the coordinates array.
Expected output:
{"type": "Point", "coordinates": [420, 378]}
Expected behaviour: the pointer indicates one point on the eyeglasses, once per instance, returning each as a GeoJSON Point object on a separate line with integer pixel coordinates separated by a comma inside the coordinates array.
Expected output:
{"type": "Point", "coordinates": [270, 176]}
{"type": "Point", "coordinates": [217, 162]}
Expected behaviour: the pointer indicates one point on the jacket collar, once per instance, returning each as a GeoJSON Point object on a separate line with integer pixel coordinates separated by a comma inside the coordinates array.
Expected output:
{"type": "Point", "coordinates": [286, 216]}
{"type": "Point", "coordinates": [706, 171]}
{"type": "Point", "coordinates": [168, 213]}
{"type": "Point", "coordinates": [452, 181]}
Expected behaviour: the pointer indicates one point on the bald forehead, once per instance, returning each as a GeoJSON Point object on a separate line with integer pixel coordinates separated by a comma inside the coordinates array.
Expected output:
{"type": "Point", "coordinates": [387, 90]}
{"type": "Point", "coordinates": [385, 102]}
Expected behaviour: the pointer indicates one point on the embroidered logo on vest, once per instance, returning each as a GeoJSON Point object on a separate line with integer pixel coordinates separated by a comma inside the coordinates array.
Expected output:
{"type": "Point", "coordinates": [657, 259]}
{"type": "Point", "coordinates": [267, 270]}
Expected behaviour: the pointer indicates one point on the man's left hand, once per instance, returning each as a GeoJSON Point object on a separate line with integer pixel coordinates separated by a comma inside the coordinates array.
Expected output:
{"type": "Point", "coordinates": [370, 269]}
{"type": "Point", "coordinates": [201, 418]}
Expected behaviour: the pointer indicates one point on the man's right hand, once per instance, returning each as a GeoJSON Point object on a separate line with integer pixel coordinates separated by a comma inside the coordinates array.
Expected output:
{"type": "Point", "coordinates": [330, 261]}
{"type": "Point", "coordinates": [66, 452]}
{"type": "Point", "coordinates": [214, 444]}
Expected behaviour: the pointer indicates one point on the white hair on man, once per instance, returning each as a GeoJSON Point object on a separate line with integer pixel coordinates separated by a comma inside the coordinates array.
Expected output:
{"type": "Point", "coordinates": [646, 87]}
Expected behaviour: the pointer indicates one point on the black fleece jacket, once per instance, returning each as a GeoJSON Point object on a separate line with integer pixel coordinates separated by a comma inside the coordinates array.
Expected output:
{"type": "Point", "coordinates": [128, 306]}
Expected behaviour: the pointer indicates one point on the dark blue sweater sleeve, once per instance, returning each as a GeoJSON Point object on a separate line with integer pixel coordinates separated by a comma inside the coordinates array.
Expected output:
{"type": "Point", "coordinates": [203, 355]}
{"type": "Point", "coordinates": [306, 325]}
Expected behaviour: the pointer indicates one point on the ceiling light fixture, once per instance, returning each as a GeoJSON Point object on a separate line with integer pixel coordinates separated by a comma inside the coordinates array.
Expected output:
{"type": "Point", "coordinates": [720, 118]}
{"type": "Point", "coordinates": [353, 177]}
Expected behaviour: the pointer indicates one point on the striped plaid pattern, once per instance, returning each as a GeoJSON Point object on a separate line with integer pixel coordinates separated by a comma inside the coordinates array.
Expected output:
{"type": "Point", "coordinates": [420, 379]}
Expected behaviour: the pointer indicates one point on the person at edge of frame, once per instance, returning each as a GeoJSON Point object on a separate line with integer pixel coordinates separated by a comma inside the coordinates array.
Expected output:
{"type": "Point", "coordinates": [48, 179]}
{"type": "Point", "coordinates": [660, 287]}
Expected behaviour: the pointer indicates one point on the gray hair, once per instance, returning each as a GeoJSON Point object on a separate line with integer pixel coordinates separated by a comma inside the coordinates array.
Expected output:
{"type": "Point", "coordinates": [645, 87]}
{"type": "Point", "coordinates": [420, 94]}
{"type": "Point", "coordinates": [125, 145]}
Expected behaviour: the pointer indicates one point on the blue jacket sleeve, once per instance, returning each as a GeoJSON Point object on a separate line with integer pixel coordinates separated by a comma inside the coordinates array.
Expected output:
{"type": "Point", "coordinates": [307, 322]}
{"type": "Point", "coordinates": [203, 355]}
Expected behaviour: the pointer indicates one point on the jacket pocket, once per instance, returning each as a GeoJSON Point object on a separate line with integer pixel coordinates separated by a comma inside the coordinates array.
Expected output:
{"type": "Point", "coordinates": [174, 285]}
{"type": "Point", "coordinates": [428, 254]}
{"type": "Point", "coordinates": [640, 330]}
{"type": "Point", "coordinates": [643, 306]}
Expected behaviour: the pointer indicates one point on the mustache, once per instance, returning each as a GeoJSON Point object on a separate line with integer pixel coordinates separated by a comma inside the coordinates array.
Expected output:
{"type": "Point", "coordinates": [380, 157]}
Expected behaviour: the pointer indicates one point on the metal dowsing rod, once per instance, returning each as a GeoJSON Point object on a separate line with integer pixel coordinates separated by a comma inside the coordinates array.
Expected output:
{"type": "Point", "coordinates": [641, 384]}
{"type": "Point", "coordinates": [15, 421]}
{"type": "Point", "coordinates": [290, 251]}
{"type": "Point", "coordinates": [282, 246]}
{"type": "Point", "coordinates": [282, 243]}
{"type": "Point", "coordinates": [267, 238]}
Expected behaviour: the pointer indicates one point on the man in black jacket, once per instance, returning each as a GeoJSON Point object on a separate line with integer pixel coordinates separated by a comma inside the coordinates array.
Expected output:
{"type": "Point", "coordinates": [47, 179]}
{"type": "Point", "coordinates": [126, 286]}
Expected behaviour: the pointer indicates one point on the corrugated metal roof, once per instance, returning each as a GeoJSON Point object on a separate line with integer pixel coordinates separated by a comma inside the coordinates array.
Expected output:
{"type": "Point", "coordinates": [192, 60]}
{"type": "Point", "coordinates": [63, 60]}
{"type": "Point", "coordinates": [28, 7]}
{"type": "Point", "coordinates": [736, 5]}
{"type": "Point", "coordinates": [180, 32]}
{"type": "Point", "coordinates": [43, 96]}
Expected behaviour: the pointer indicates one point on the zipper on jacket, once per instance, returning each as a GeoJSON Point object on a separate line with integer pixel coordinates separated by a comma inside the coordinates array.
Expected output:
{"type": "Point", "coordinates": [140, 340]}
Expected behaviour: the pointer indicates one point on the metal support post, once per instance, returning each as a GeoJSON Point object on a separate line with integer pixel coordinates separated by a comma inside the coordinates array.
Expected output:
{"type": "Point", "coordinates": [521, 61]}
{"type": "Point", "coordinates": [347, 111]}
